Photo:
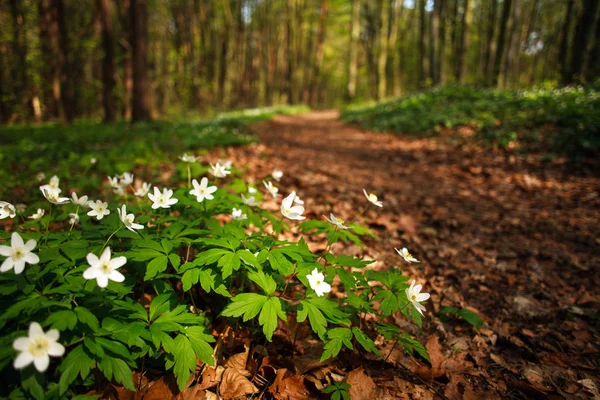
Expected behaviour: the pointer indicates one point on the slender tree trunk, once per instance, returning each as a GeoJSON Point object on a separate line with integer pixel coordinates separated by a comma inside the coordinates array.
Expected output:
{"type": "Point", "coordinates": [512, 43]}
{"type": "Point", "coordinates": [563, 54]}
{"type": "Point", "coordinates": [434, 43]}
{"type": "Point", "coordinates": [441, 43]}
{"type": "Point", "coordinates": [462, 62]}
{"type": "Point", "coordinates": [383, 49]}
{"type": "Point", "coordinates": [140, 105]}
{"type": "Point", "coordinates": [489, 42]}
{"type": "Point", "coordinates": [422, 60]}
{"type": "Point", "coordinates": [506, 7]}
{"type": "Point", "coordinates": [593, 65]}
{"type": "Point", "coordinates": [581, 38]}
{"type": "Point", "coordinates": [49, 45]}
{"type": "Point", "coordinates": [66, 86]}
{"type": "Point", "coordinates": [394, 48]}
{"type": "Point", "coordinates": [353, 56]}
{"type": "Point", "coordinates": [315, 77]}
{"type": "Point", "coordinates": [108, 61]}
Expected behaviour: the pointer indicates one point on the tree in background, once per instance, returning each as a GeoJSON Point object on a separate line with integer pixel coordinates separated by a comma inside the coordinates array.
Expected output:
{"type": "Point", "coordinates": [132, 59]}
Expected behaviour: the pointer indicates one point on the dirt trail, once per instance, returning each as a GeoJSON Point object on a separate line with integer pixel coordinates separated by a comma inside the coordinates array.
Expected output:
{"type": "Point", "coordinates": [514, 239]}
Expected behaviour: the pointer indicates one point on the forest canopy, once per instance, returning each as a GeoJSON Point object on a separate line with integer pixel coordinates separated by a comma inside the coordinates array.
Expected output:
{"type": "Point", "coordinates": [135, 59]}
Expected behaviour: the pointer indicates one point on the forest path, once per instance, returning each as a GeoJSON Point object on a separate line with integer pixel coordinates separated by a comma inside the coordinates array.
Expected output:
{"type": "Point", "coordinates": [514, 239]}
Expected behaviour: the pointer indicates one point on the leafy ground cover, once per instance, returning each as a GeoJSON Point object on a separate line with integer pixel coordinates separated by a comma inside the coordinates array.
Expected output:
{"type": "Point", "coordinates": [108, 289]}
{"type": "Point", "coordinates": [553, 121]}
{"type": "Point", "coordinates": [95, 150]}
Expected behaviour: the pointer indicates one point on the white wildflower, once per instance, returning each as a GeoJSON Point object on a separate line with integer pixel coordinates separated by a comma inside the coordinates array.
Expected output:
{"type": "Point", "coordinates": [37, 348]}
{"type": "Point", "coordinates": [18, 253]}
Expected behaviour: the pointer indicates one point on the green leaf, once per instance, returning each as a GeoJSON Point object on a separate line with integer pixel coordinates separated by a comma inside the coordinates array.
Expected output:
{"type": "Point", "coordinates": [246, 304]}
{"type": "Point", "coordinates": [365, 341]}
{"type": "Point", "coordinates": [149, 244]}
{"type": "Point", "coordinates": [159, 305]}
{"type": "Point", "coordinates": [156, 266]}
{"type": "Point", "coordinates": [331, 310]}
{"type": "Point", "coordinates": [318, 323]}
{"type": "Point", "coordinates": [199, 340]}
{"type": "Point", "coordinates": [175, 260]}
{"type": "Point", "coordinates": [207, 280]}
{"type": "Point", "coordinates": [62, 320]}
{"type": "Point", "coordinates": [85, 316]}
{"type": "Point", "coordinates": [93, 347]}
{"type": "Point", "coordinates": [190, 278]}
{"type": "Point", "coordinates": [389, 302]}
{"type": "Point", "coordinates": [280, 263]}
{"type": "Point", "coordinates": [77, 362]}
{"type": "Point", "coordinates": [268, 316]}
{"type": "Point", "coordinates": [185, 360]}
{"type": "Point", "coordinates": [409, 344]}
{"type": "Point", "coordinates": [228, 263]}
{"type": "Point", "coordinates": [248, 257]}
{"type": "Point", "coordinates": [167, 245]}
{"type": "Point", "coordinates": [210, 256]}
{"type": "Point", "coordinates": [471, 317]}
{"type": "Point", "coordinates": [32, 383]}
{"type": "Point", "coordinates": [337, 337]}
{"type": "Point", "coordinates": [114, 347]}
{"type": "Point", "coordinates": [266, 282]}
{"type": "Point", "coordinates": [112, 366]}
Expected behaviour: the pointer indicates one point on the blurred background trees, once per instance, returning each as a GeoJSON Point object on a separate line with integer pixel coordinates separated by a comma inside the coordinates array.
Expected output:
{"type": "Point", "coordinates": [139, 59]}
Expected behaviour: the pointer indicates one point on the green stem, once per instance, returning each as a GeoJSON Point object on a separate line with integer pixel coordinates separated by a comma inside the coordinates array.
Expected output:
{"type": "Point", "coordinates": [46, 233]}
{"type": "Point", "coordinates": [111, 235]}
{"type": "Point", "coordinates": [189, 171]}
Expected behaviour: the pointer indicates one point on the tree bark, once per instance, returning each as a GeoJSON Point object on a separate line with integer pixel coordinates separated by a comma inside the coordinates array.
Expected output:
{"type": "Point", "coordinates": [463, 45]}
{"type": "Point", "coordinates": [441, 43]}
{"type": "Point", "coordinates": [394, 48]}
{"type": "Point", "coordinates": [563, 53]}
{"type": "Point", "coordinates": [512, 43]}
{"type": "Point", "coordinates": [383, 49]}
{"type": "Point", "coordinates": [314, 86]}
{"type": "Point", "coordinates": [489, 42]}
{"type": "Point", "coordinates": [422, 59]}
{"type": "Point", "coordinates": [434, 42]}
{"type": "Point", "coordinates": [593, 65]}
{"type": "Point", "coordinates": [49, 46]}
{"type": "Point", "coordinates": [581, 39]}
{"type": "Point", "coordinates": [140, 104]}
{"type": "Point", "coordinates": [500, 41]}
{"type": "Point", "coordinates": [353, 56]}
{"type": "Point", "coordinates": [108, 61]}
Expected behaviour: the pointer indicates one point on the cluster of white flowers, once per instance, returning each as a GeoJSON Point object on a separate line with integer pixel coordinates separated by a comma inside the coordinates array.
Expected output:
{"type": "Point", "coordinates": [39, 346]}
{"type": "Point", "coordinates": [120, 183]}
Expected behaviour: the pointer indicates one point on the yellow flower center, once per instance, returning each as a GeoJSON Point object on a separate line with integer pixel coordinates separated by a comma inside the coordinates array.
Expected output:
{"type": "Point", "coordinates": [372, 197]}
{"type": "Point", "coordinates": [106, 268]}
{"type": "Point", "coordinates": [39, 347]}
{"type": "Point", "coordinates": [18, 254]}
{"type": "Point", "coordinates": [414, 297]}
{"type": "Point", "coordinates": [340, 221]}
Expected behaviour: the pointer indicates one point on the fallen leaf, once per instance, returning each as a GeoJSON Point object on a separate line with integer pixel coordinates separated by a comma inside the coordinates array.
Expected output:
{"type": "Point", "coordinates": [289, 386]}
{"type": "Point", "coordinates": [362, 386]}
{"type": "Point", "coordinates": [234, 385]}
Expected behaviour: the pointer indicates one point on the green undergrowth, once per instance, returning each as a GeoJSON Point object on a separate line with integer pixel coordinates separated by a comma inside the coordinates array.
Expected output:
{"type": "Point", "coordinates": [63, 149]}
{"type": "Point", "coordinates": [554, 121]}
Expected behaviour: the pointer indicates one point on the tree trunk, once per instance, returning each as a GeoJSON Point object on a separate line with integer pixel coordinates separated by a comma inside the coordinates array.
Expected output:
{"type": "Point", "coordinates": [140, 104]}
{"type": "Point", "coordinates": [108, 61]}
{"type": "Point", "coordinates": [353, 56]}
{"type": "Point", "coordinates": [462, 62]}
{"type": "Point", "coordinates": [314, 86]}
{"type": "Point", "coordinates": [489, 43]}
{"type": "Point", "coordinates": [49, 46]}
{"type": "Point", "coordinates": [393, 47]}
{"type": "Point", "coordinates": [593, 65]}
{"type": "Point", "coordinates": [441, 43]}
{"type": "Point", "coordinates": [563, 54]}
{"type": "Point", "coordinates": [434, 43]}
{"type": "Point", "coordinates": [383, 49]}
{"type": "Point", "coordinates": [422, 59]}
{"type": "Point", "coordinates": [500, 41]}
{"type": "Point", "coordinates": [512, 43]}
{"type": "Point", "coordinates": [581, 39]}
